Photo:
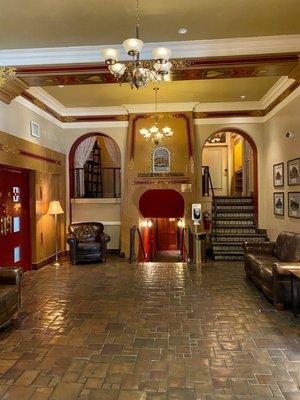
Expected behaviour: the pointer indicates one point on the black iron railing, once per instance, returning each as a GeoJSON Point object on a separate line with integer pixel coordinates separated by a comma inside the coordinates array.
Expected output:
{"type": "Point", "coordinates": [207, 186]}
{"type": "Point", "coordinates": [186, 246]}
{"type": "Point", "coordinates": [107, 184]}
{"type": "Point", "coordinates": [133, 255]}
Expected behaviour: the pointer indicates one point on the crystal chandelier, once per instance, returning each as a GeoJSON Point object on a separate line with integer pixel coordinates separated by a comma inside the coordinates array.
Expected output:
{"type": "Point", "coordinates": [5, 72]}
{"type": "Point", "coordinates": [154, 134]}
{"type": "Point", "coordinates": [136, 72]}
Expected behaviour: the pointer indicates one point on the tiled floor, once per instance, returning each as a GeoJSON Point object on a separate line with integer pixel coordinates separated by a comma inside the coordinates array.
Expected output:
{"type": "Point", "coordinates": [151, 332]}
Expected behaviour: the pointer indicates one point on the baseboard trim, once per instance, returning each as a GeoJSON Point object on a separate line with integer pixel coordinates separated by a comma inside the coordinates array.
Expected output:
{"type": "Point", "coordinates": [49, 260]}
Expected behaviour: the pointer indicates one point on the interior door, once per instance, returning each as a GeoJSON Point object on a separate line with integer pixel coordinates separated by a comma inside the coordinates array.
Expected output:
{"type": "Point", "coordinates": [14, 218]}
{"type": "Point", "coordinates": [167, 234]}
{"type": "Point", "coordinates": [216, 158]}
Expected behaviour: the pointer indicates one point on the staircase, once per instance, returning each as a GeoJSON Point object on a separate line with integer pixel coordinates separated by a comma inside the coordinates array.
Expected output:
{"type": "Point", "coordinates": [233, 223]}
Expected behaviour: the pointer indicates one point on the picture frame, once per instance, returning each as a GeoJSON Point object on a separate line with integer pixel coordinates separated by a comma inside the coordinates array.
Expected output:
{"type": "Point", "coordinates": [278, 203]}
{"type": "Point", "coordinates": [278, 174]}
{"type": "Point", "coordinates": [293, 172]}
{"type": "Point", "coordinates": [294, 204]}
{"type": "Point", "coordinates": [161, 160]}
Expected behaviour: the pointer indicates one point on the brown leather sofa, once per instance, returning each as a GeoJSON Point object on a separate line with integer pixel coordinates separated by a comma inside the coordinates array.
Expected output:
{"type": "Point", "coordinates": [268, 265]}
{"type": "Point", "coordinates": [87, 242]}
{"type": "Point", "coordinates": [10, 298]}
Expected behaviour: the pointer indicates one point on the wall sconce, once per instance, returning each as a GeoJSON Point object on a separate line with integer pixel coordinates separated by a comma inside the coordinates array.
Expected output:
{"type": "Point", "coordinates": [149, 223]}
{"type": "Point", "coordinates": [180, 223]}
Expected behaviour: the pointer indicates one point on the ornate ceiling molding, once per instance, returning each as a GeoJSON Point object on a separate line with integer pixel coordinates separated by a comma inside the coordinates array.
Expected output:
{"type": "Point", "coordinates": [12, 88]}
{"type": "Point", "coordinates": [182, 49]}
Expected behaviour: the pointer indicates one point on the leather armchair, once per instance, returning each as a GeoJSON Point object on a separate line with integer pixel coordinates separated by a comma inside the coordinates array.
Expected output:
{"type": "Point", "coordinates": [87, 242]}
{"type": "Point", "coordinates": [269, 264]}
{"type": "Point", "coordinates": [10, 294]}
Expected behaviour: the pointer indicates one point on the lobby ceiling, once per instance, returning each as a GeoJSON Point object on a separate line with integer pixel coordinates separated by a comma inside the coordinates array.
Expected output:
{"type": "Point", "coordinates": [203, 91]}
{"type": "Point", "coordinates": [94, 22]}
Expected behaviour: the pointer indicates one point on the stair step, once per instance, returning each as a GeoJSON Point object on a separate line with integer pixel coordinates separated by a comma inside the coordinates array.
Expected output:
{"type": "Point", "coordinates": [231, 208]}
{"type": "Point", "coordinates": [237, 216]}
{"type": "Point", "coordinates": [231, 252]}
{"type": "Point", "coordinates": [228, 247]}
{"type": "Point", "coordinates": [229, 257]}
{"type": "Point", "coordinates": [234, 224]}
{"type": "Point", "coordinates": [239, 239]}
{"type": "Point", "coordinates": [234, 231]}
{"type": "Point", "coordinates": [233, 200]}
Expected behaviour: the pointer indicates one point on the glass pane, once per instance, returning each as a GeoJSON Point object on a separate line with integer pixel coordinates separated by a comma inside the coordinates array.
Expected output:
{"type": "Point", "coordinates": [16, 224]}
{"type": "Point", "coordinates": [17, 254]}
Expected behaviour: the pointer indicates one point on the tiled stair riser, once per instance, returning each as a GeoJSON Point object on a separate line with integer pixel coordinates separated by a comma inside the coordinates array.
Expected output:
{"type": "Point", "coordinates": [233, 223]}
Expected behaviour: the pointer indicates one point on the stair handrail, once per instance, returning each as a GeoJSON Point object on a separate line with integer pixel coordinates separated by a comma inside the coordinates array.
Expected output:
{"type": "Point", "coordinates": [183, 246]}
{"type": "Point", "coordinates": [132, 255]}
{"type": "Point", "coordinates": [207, 175]}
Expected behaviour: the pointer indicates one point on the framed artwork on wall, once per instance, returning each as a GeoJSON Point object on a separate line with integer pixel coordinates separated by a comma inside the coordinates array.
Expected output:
{"type": "Point", "coordinates": [278, 175]}
{"type": "Point", "coordinates": [161, 160]}
{"type": "Point", "coordinates": [293, 170]}
{"type": "Point", "coordinates": [294, 204]}
{"type": "Point", "coordinates": [278, 203]}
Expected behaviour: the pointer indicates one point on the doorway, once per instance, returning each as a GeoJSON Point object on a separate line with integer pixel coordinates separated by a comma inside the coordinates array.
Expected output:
{"type": "Point", "coordinates": [167, 240]}
{"type": "Point", "coordinates": [14, 218]}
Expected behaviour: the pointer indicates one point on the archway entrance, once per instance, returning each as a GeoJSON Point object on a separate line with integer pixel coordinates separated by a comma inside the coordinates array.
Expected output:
{"type": "Point", "coordinates": [164, 210]}
{"type": "Point", "coordinates": [231, 156]}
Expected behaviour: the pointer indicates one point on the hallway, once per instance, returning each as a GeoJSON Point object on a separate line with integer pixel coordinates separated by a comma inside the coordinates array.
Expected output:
{"type": "Point", "coordinates": [148, 332]}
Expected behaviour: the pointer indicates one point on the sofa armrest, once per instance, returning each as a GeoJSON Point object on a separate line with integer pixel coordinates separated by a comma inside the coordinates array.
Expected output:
{"type": "Point", "coordinates": [71, 240]}
{"type": "Point", "coordinates": [284, 268]}
{"type": "Point", "coordinates": [104, 238]}
{"type": "Point", "coordinates": [259, 247]}
{"type": "Point", "coordinates": [10, 276]}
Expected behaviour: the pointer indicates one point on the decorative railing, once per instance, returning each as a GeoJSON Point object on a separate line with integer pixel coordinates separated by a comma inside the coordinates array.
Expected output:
{"type": "Point", "coordinates": [133, 255]}
{"type": "Point", "coordinates": [108, 184]}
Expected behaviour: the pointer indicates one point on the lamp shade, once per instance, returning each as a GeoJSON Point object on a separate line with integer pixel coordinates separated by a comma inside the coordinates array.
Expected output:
{"type": "Point", "coordinates": [55, 208]}
{"type": "Point", "coordinates": [162, 54]}
{"type": "Point", "coordinates": [133, 45]}
{"type": "Point", "coordinates": [110, 54]}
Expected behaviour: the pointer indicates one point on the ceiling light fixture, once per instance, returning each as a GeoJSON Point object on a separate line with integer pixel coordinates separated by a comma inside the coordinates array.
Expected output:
{"type": "Point", "coordinates": [5, 72]}
{"type": "Point", "coordinates": [136, 72]}
{"type": "Point", "coordinates": [182, 31]}
{"type": "Point", "coordinates": [154, 134]}
{"type": "Point", "coordinates": [243, 97]}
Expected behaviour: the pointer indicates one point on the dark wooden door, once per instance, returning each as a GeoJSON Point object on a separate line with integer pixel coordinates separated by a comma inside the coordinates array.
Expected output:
{"type": "Point", "coordinates": [167, 234]}
{"type": "Point", "coordinates": [14, 218]}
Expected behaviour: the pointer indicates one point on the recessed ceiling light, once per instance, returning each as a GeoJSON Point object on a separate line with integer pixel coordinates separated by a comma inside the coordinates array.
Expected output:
{"type": "Point", "coordinates": [243, 97]}
{"type": "Point", "coordinates": [182, 31]}
{"type": "Point", "coordinates": [61, 85]}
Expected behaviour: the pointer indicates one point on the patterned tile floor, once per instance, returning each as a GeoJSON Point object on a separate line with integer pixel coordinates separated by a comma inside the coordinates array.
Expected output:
{"type": "Point", "coordinates": [148, 332]}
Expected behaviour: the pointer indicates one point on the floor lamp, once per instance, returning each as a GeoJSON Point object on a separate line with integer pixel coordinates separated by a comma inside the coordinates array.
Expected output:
{"type": "Point", "coordinates": [55, 209]}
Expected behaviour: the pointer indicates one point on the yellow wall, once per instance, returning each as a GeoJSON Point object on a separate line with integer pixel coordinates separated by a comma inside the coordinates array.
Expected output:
{"type": "Point", "coordinates": [238, 155]}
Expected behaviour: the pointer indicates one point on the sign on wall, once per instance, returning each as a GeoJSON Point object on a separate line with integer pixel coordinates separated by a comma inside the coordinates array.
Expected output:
{"type": "Point", "coordinates": [161, 160]}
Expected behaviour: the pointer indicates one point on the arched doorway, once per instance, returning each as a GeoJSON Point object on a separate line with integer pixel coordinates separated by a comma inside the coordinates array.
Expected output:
{"type": "Point", "coordinates": [164, 211]}
{"type": "Point", "coordinates": [231, 154]}
{"type": "Point", "coordinates": [94, 168]}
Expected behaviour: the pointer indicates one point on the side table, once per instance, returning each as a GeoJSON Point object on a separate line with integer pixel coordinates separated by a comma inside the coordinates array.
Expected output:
{"type": "Point", "coordinates": [295, 283]}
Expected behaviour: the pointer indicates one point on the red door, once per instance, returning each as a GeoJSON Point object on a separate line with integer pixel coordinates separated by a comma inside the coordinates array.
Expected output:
{"type": "Point", "coordinates": [167, 234]}
{"type": "Point", "coordinates": [14, 218]}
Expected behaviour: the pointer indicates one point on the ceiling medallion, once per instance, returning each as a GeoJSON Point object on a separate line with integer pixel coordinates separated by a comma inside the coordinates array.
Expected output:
{"type": "Point", "coordinates": [136, 72]}
{"type": "Point", "coordinates": [155, 134]}
{"type": "Point", "coordinates": [5, 72]}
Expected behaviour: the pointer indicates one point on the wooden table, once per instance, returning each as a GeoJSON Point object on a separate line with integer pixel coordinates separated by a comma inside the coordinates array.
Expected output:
{"type": "Point", "coordinates": [295, 283]}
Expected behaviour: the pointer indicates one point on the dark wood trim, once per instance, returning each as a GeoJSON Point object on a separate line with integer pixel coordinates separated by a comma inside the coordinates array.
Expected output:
{"type": "Point", "coordinates": [14, 150]}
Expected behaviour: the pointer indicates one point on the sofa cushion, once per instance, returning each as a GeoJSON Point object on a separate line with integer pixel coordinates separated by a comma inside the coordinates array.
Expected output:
{"type": "Point", "coordinates": [89, 247]}
{"type": "Point", "coordinates": [288, 247]}
{"type": "Point", "coordinates": [266, 273]}
{"type": "Point", "coordinates": [8, 297]}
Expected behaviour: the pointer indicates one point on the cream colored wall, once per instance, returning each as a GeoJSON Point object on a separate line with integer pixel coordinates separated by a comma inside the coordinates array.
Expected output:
{"type": "Point", "coordinates": [15, 119]}
{"type": "Point", "coordinates": [279, 149]}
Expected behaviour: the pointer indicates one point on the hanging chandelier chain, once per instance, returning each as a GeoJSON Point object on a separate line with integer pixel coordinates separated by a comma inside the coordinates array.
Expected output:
{"type": "Point", "coordinates": [137, 19]}
{"type": "Point", "coordinates": [156, 114]}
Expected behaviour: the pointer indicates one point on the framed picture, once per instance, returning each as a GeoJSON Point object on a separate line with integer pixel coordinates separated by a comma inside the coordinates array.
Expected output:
{"type": "Point", "coordinates": [278, 203]}
{"type": "Point", "coordinates": [278, 175]}
{"type": "Point", "coordinates": [294, 172]}
{"type": "Point", "coordinates": [294, 204]}
{"type": "Point", "coordinates": [161, 160]}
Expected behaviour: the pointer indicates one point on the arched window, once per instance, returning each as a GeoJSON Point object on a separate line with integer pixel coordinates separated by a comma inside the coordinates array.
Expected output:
{"type": "Point", "coordinates": [95, 167]}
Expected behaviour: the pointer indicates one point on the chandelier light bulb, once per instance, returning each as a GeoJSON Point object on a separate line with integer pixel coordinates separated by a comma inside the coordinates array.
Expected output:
{"type": "Point", "coordinates": [133, 46]}
{"type": "Point", "coordinates": [161, 54]}
{"type": "Point", "coordinates": [117, 69]}
{"type": "Point", "coordinates": [111, 56]}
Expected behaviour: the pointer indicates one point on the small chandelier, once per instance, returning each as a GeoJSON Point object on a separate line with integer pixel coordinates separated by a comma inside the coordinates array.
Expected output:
{"type": "Point", "coordinates": [136, 72]}
{"type": "Point", "coordinates": [154, 134]}
{"type": "Point", "coordinates": [5, 72]}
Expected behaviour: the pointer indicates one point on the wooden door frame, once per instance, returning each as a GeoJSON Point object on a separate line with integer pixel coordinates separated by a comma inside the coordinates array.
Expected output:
{"type": "Point", "coordinates": [28, 172]}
